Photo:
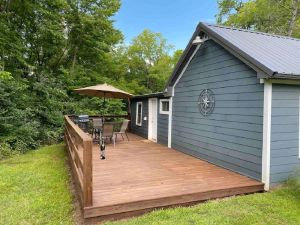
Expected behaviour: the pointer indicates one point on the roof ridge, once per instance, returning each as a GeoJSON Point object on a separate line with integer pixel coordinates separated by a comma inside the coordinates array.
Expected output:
{"type": "Point", "coordinates": [251, 31]}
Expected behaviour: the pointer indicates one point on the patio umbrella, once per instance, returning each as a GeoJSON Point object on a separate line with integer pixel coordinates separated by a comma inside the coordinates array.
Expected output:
{"type": "Point", "coordinates": [103, 90]}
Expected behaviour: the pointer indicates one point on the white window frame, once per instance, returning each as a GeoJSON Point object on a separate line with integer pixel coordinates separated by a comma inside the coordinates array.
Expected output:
{"type": "Point", "coordinates": [160, 106]}
{"type": "Point", "coordinates": [136, 114]}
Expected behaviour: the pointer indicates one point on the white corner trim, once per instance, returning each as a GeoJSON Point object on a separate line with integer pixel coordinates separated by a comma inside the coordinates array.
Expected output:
{"type": "Point", "coordinates": [136, 114]}
{"type": "Point", "coordinates": [170, 122]}
{"type": "Point", "coordinates": [266, 151]}
{"type": "Point", "coordinates": [299, 126]}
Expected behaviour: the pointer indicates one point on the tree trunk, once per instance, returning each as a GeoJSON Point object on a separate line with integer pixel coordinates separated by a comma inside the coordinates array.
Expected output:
{"type": "Point", "coordinates": [74, 60]}
{"type": "Point", "coordinates": [295, 6]}
{"type": "Point", "coordinates": [5, 5]}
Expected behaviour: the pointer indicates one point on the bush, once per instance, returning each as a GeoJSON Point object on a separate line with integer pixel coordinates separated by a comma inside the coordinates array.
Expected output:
{"type": "Point", "coordinates": [31, 113]}
{"type": "Point", "coordinates": [6, 151]}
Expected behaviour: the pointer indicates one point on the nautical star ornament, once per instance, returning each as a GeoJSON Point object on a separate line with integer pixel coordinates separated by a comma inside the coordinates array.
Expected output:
{"type": "Point", "coordinates": [206, 102]}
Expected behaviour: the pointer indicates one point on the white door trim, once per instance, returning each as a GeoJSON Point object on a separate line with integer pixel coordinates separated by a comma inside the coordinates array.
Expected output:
{"type": "Point", "coordinates": [152, 119]}
{"type": "Point", "coordinates": [266, 154]}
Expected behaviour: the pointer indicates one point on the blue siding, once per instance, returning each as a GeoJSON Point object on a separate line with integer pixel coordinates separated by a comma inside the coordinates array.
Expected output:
{"type": "Point", "coordinates": [231, 137]}
{"type": "Point", "coordinates": [139, 130]}
{"type": "Point", "coordinates": [284, 132]}
{"type": "Point", "coordinates": [162, 127]}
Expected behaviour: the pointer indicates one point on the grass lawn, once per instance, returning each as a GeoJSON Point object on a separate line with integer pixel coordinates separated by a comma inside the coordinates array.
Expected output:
{"type": "Point", "coordinates": [34, 189]}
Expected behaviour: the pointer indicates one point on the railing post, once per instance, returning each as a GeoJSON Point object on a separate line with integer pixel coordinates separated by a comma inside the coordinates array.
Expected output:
{"type": "Point", "coordinates": [87, 173]}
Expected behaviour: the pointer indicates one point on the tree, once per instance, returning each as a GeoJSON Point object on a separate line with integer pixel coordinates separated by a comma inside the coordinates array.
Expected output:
{"type": "Point", "coordinates": [272, 16]}
{"type": "Point", "coordinates": [148, 61]}
{"type": "Point", "coordinates": [48, 48]}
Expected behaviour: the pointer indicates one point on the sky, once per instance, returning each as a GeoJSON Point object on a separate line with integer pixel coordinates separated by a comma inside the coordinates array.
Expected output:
{"type": "Point", "coordinates": [175, 19]}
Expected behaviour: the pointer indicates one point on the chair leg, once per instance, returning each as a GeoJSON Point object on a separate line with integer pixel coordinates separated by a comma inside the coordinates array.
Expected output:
{"type": "Point", "coordinates": [127, 136]}
{"type": "Point", "coordinates": [122, 136]}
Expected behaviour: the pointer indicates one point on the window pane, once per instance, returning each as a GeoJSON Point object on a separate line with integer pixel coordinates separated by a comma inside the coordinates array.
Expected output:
{"type": "Point", "coordinates": [139, 114]}
{"type": "Point", "coordinates": [165, 106]}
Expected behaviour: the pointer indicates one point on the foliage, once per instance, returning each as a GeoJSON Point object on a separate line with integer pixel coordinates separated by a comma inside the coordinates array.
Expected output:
{"type": "Point", "coordinates": [48, 48]}
{"type": "Point", "coordinates": [34, 188]}
{"type": "Point", "coordinates": [272, 16]}
{"type": "Point", "coordinates": [146, 64]}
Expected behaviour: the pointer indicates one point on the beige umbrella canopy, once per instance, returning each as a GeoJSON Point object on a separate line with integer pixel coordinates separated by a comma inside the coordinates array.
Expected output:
{"type": "Point", "coordinates": [103, 90]}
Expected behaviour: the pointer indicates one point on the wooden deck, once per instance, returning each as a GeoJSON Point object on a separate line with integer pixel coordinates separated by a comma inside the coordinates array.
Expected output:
{"type": "Point", "coordinates": [140, 175]}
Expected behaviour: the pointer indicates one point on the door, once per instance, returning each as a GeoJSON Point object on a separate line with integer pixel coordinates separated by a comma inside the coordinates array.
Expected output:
{"type": "Point", "coordinates": [152, 120]}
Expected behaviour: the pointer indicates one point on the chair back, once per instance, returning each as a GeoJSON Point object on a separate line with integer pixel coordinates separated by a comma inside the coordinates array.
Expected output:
{"type": "Point", "coordinates": [97, 123]}
{"type": "Point", "coordinates": [124, 125]}
{"type": "Point", "coordinates": [108, 130]}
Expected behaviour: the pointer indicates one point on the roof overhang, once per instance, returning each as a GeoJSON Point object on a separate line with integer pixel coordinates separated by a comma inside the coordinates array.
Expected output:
{"type": "Point", "coordinates": [262, 70]}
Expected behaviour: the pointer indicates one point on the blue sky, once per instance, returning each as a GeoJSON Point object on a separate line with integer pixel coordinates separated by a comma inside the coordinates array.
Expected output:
{"type": "Point", "coordinates": [175, 19]}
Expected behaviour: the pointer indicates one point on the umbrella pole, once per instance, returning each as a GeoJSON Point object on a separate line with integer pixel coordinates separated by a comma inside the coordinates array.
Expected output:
{"type": "Point", "coordinates": [101, 139]}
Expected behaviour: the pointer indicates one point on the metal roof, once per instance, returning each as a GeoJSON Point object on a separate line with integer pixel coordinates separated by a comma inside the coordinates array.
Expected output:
{"type": "Point", "coordinates": [277, 56]}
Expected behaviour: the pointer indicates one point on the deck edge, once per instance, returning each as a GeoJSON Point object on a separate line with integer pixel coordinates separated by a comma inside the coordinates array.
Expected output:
{"type": "Point", "coordinates": [148, 205]}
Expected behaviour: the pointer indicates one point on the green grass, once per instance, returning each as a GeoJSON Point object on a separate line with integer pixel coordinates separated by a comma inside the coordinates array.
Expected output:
{"type": "Point", "coordinates": [34, 188]}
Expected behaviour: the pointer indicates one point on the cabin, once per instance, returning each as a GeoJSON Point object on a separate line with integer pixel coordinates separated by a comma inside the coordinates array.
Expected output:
{"type": "Point", "coordinates": [227, 123]}
{"type": "Point", "coordinates": [232, 100]}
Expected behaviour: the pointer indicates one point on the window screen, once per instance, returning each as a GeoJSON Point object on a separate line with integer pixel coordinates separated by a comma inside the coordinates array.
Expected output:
{"type": "Point", "coordinates": [139, 113]}
{"type": "Point", "coordinates": [164, 106]}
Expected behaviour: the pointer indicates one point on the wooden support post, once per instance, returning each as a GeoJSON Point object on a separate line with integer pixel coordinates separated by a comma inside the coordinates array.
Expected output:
{"type": "Point", "coordinates": [87, 173]}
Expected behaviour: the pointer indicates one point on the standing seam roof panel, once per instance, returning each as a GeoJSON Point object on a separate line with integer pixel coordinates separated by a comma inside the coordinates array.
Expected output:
{"type": "Point", "coordinates": [272, 54]}
{"type": "Point", "coordinates": [279, 54]}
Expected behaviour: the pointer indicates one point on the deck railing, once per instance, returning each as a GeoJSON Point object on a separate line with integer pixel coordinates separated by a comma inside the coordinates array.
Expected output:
{"type": "Point", "coordinates": [79, 146]}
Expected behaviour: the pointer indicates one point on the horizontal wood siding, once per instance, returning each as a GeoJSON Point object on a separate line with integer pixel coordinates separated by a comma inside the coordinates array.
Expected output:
{"type": "Point", "coordinates": [139, 130]}
{"type": "Point", "coordinates": [231, 136]}
{"type": "Point", "coordinates": [162, 127]}
{"type": "Point", "coordinates": [284, 132]}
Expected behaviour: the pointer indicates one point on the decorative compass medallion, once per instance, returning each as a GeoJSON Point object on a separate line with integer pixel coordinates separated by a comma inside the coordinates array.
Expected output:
{"type": "Point", "coordinates": [206, 102]}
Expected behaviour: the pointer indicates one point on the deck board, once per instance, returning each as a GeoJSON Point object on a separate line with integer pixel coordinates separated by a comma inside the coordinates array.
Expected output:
{"type": "Point", "coordinates": [140, 174]}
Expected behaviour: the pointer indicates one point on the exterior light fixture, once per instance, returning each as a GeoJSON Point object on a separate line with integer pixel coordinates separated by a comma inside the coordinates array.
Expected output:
{"type": "Point", "coordinates": [199, 40]}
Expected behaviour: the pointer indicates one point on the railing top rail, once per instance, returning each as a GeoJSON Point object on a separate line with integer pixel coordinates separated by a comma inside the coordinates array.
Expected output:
{"type": "Point", "coordinates": [79, 132]}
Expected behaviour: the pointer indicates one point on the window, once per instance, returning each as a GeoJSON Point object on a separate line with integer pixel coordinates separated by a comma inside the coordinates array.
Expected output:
{"type": "Point", "coordinates": [139, 112]}
{"type": "Point", "coordinates": [164, 106]}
